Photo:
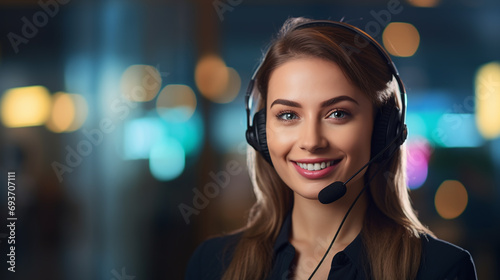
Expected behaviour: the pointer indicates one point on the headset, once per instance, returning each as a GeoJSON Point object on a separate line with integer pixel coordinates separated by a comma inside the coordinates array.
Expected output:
{"type": "Point", "coordinates": [389, 131]}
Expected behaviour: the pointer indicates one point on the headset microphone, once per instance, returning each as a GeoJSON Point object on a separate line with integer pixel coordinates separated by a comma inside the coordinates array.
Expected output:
{"type": "Point", "coordinates": [332, 192]}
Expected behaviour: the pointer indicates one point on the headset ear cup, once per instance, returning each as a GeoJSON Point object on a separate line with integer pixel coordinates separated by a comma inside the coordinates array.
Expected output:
{"type": "Point", "coordinates": [259, 121]}
{"type": "Point", "coordinates": [385, 129]}
{"type": "Point", "coordinates": [256, 135]}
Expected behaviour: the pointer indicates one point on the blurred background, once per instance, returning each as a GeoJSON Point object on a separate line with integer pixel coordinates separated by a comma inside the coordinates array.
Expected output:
{"type": "Point", "coordinates": [124, 124]}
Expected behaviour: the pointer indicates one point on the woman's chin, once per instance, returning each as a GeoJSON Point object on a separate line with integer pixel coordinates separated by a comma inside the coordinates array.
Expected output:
{"type": "Point", "coordinates": [308, 194]}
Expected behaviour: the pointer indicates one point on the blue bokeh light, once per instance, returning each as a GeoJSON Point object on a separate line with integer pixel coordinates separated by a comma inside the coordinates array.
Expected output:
{"type": "Point", "coordinates": [457, 131]}
{"type": "Point", "coordinates": [189, 133]}
{"type": "Point", "coordinates": [417, 126]}
{"type": "Point", "coordinates": [140, 135]}
{"type": "Point", "coordinates": [229, 127]}
{"type": "Point", "coordinates": [167, 159]}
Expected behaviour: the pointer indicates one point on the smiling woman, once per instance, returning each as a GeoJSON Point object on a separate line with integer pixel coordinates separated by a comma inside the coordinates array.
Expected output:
{"type": "Point", "coordinates": [332, 109]}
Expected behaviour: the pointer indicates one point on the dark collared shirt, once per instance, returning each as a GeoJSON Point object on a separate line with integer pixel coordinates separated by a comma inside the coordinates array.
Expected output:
{"type": "Point", "coordinates": [440, 260]}
{"type": "Point", "coordinates": [346, 264]}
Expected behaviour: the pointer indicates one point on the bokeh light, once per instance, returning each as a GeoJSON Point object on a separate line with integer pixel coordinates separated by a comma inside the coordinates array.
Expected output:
{"type": "Point", "coordinates": [68, 113]}
{"type": "Point", "coordinates": [232, 88]}
{"type": "Point", "coordinates": [167, 160]}
{"type": "Point", "coordinates": [417, 162]}
{"type": "Point", "coordinates": [81, 113]}
{"type": "Point", "coordinates": [424, 3]}
{"type": "Point", "coordinates": [451, 199]}
{"type": "Point", "coordinates": [401, 39]}
{"type": "Point", "coordinates": [140, 135]}
{"type": "Point", "coordinates": [211, 77]}
{"type": "Point", "coordinates": [25, 106]}
{"type": "Point", "coordinates": [63, 112]}
{"type": "Point", "coordinates": [229, 127]}
{"type": "Point", "coordinates": [176, 103]}
{"type": "Point", "coordinates": [457, 131]}
{"type": "Point", "coordinates": [488, 100]}
{"type": "Point", "coordinates": [190, 134]}
{"type": "Point", "coordinates": [140, 83]}
{"type": "Point", "coordinates": [417, 124]}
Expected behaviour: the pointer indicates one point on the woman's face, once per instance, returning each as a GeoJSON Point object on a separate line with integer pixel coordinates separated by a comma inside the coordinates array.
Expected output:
{"type": "Point", "coordinates": [319, 126]}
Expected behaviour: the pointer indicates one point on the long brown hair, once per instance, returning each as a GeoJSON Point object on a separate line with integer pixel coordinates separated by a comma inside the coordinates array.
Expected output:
{"type": "Point", "coordinates": [391, 231]}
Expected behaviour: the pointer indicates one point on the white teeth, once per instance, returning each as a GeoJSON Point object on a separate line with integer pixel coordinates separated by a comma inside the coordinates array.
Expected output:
{"type": "Point", "coordinates": [315, 166]}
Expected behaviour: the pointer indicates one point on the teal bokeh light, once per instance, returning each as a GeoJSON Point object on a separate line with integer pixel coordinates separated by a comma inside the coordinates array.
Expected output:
{"type": "Point", "coordinates": [141, 135]}
{"type": "Point", "coordinates": [190, 133]}
{"type": "Point", "coordinates": [167, 159]}
{"type": "Point", "coordinates": [417, 126]}
{"type": "Point", "coordinates": [457, 131]}
{"type": "Point", "coordinates": [228, 127]}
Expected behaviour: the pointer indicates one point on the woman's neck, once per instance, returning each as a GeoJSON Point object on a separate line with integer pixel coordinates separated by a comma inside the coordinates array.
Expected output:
{"type": "Point", "coordinates": [313, 221]}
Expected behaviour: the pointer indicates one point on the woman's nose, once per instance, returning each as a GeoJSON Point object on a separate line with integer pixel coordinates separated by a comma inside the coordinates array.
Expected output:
{"type": "Point", "coordinates": [312, 137]}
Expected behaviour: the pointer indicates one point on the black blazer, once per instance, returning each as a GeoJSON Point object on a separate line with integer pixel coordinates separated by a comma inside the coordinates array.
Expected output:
{"type": "Point", "coordinates": [440, 259]}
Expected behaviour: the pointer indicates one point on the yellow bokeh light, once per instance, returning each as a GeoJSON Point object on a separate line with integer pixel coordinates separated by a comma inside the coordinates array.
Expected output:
{"type": "Point", "coordinates": [81, 112]}
{"type": "Point", "coordinates": [211, 77]}
{"type": "Point", "coordinates": [176, 103]}
{"type": "Point", "coordinates": [63, 112]}
{"type": "Point", "coordinates": [232, 88]}
{"type": "Point", "coordinates": [488, 100]}
{"type": "Point", "coordinates": [69, 112]}
{"type": "Point", "coordinates": [424, 3]}
{"type": "Point", "coordinates": [401, 39]}
{"type": "Point", "coordinates": [451, 199]}
{"type": "Point", "coordinates": [140, 83]}
{"type": "Point", "coordinates": [25, 106]}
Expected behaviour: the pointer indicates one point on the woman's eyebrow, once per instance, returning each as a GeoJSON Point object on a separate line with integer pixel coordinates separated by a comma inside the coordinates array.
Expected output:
{"type": "Point", "coordinates": [338, 99]}
{"type": "Point", "coordinates": [326, 103]}
{"type": "Point", "coordinates": [286, 103]}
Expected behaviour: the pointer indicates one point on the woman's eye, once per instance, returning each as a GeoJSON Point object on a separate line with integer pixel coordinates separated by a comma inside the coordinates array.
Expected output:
{"type": "Point", "coordinates": [338, 114]}
{"type": "Point", "coordinates": [287, 116]}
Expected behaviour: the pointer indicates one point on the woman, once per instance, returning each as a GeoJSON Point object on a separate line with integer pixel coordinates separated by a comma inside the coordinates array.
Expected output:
{"type": "Point", "coordinates": [330, 101]}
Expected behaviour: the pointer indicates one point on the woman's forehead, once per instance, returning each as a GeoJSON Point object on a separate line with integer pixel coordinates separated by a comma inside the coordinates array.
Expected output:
{"type": "Point", "coordinates": [311, 80]}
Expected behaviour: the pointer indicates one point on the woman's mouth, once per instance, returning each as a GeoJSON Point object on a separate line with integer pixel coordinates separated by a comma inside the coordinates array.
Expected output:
{"type": "Point", "coordinates": [315, 170]}
{"type": "Point", "coordinates": [316, 166]}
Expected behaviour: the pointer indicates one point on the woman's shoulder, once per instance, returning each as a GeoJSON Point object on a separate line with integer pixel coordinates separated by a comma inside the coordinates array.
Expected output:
{"type": "Point", "coordinates": [211, 257]}
{"type": "Point", "coordinates": [443, 260]}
